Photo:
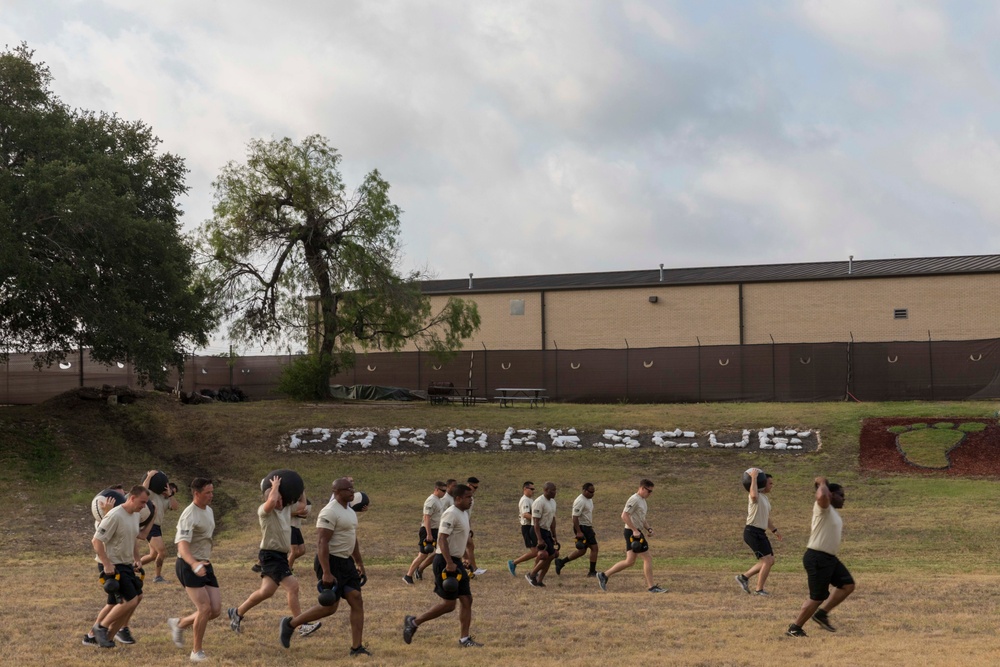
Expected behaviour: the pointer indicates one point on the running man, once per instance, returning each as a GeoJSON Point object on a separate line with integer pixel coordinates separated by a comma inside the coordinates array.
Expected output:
{"type": "Point", "coordinates": [755, 533]}
{"type": "Point", "coordinates": [195, 529]}
{"type": "Point", "coordinates": [543, 518]}
{"type": "Point", "coordinates": [428, 527]}
{"type": "Point", "coordinates": [115, 543]}
{"type": "Point", "coordinates": [453, 535]}
{"type": "Point", "coordinates": [527, 530]}
{"type": "Point", "coordinates": [275, 543]}
{"type": "Point", "coordinates": [162, 501]}
{"type": "Point", "coordinates": [103, 503]}
{"type": "Point", "coordinates": [823, 568]}
{"type": "Point", "coordinates": [337, 564]}
{"type": "Point", "coordinates": [634, 516]}
{"type": "Point", "coordinates": [583, 528]}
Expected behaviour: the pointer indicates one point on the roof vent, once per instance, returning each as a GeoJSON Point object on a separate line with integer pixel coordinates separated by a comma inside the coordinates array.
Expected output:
{"type": "Point", "coordinates": [661, 273]}
{"type": "Point", "coordinates": [470, 281]}
{"type": "Point", "coordinates": [850, 265]}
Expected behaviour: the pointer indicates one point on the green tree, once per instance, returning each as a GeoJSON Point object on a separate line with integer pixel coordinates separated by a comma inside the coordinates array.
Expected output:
{"type": "Point", "coordinates": [285, 229]}
{"type": "Point", "coordinates": [91, 252]}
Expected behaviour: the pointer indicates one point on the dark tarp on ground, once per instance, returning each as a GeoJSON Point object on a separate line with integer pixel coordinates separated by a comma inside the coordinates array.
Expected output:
{"type": "Point", "coordinates": [368, 392]}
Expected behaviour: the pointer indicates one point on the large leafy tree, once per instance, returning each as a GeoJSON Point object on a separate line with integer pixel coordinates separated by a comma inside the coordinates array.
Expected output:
{"type": "Point", "coordinates": [286, 230]}
{"type": "Point", "coordinates": [91, 252]}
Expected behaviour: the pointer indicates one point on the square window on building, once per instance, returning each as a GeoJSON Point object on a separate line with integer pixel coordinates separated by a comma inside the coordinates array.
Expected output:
{"type": "Point", "coordinates": [517, 306]}
{"type": "Point", "coordinates": [900, 314]}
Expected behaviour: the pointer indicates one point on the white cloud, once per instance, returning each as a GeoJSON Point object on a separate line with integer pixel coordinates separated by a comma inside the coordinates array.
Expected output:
{"type": "Point", "coordinates": [965, 165]}
{"type": "Point", "coordinates": [895, 30]}
{"type": "Point", "coordinates": [525, 137]}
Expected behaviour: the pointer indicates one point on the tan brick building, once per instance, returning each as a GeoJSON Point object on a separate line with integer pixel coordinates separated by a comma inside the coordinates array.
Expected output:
{"type": "Point", "coordinates": [946, 298]}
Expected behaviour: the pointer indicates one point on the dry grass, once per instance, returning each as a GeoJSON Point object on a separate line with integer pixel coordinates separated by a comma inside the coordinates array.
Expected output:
{"type": "Point", "coordinates": [705, 619]}
{"type": "Point", "coordinates": [923, 550]}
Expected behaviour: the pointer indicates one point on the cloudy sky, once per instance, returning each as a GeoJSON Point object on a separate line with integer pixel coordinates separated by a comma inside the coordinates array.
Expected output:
{"type": "Point", "coordinates": [525, 137]}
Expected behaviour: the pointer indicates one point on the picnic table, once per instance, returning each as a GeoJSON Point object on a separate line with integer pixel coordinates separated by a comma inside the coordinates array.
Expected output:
{"type": "Point", "coordinates": [446, 392]}
{"type": "Point", "coordinates": [533, 396]}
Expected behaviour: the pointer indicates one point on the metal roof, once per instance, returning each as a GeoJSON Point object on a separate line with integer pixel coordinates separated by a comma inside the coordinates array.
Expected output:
{"type": "Point", "coordinates": [870, 268]}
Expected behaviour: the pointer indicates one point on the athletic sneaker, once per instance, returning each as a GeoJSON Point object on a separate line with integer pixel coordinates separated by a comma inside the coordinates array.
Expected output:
{"type": "Point", "coordinates": [361, 650]}
{"type": "Point", "coordinates": [90, 641]}
{"type": "Point", "coordinates": [101, 635]}
{"type": "Point", "coordinates": [480, 571]}
{"type": "Point", "coordinates": [307, 629]}
{"type": "Point", "coordinates": [540, 584]}
{"type": "Point", "coordinates": [744, 583]}
{"type": "Point", "coordinates": [823, 619]}
{"type": "Point", "coordinates": [657, 589]}
{"type": "Point", "coordinates": [469, 642]}
{"type": "Point", "coordinates": [176, 632]}
{"type": "Point", "coordinates": [159, 580]}
{"type": "Point", "coordinates": [591, 574]}
{"type": "Point", "coordinates": [407, 579]}
{"type": "Point", "coordinates": [560, 564]}
{"type": "Point", "coordinates": [125, 636]}
{"type": "Point", "coordinates": [531, 579]}
{"type": "Point", "coordinates": [285, 635]}
{"type": "Point", "coordinates": [234, 619]}
{"type": "Point", "coordinates": [762, 592]}
{"type": "Point", "coordinates": [409, 628]}
{"type": "Point", "coordinates": [795, 631]}
{"type": "Point", "coordinates": [198, 656]}
{"type": "Point", "coordinates": [512, 568]}
{"type": "Point", "coordinates": [417, 574]}
{"type": "Point", "coordinates": [602, 581]}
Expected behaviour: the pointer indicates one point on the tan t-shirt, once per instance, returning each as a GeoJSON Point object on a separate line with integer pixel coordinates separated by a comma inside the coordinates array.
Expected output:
{"type": "Point", "coordinates": [583, 507]}
{"type": "Point", "coordinates": [297, 520]}
{"type": "Point", "coordinates": [343, 521]}
{"type": "Point", "coordinates": [433, 508]}
{"type": "Point", "coordinates": [454, 524]}
{"type": "Point", "coordinates": [524, 507]}
{"type": "Point", "coordinates": [275, 528]}
{"type": "Point", "coordinates": [447, 501]}
{"type": "Point", "coordinates": [196, 527]}
{"type": "Point", "coordinates": [826, 530]}
{"type": "Point", "coordinates": [161, 504]}
{"type": "Point", "coordinates": [636, 507]}
{"type": "Point", "coordinates": [544, 509]}
{"type": "Point", "coordinates": [118, 530]}
{"type": "Point", "coordinates": [758, 512]}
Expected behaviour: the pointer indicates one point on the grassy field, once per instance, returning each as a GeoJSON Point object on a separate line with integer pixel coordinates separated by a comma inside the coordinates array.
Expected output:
{"type": "Point", "coordinates": [923, 550]}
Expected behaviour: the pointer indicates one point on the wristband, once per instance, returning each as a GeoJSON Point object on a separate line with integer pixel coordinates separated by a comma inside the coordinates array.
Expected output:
{"type": "Point", "coordinates": [774, 530]}
{"type": "Point", "coordinates": [201, 566]}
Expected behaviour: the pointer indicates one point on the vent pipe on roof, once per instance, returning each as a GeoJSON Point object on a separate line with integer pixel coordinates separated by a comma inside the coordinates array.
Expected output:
{"type": "Point", "coordinates": [661, 273]}
{"type": "Point", "coordinates": [470, 281]}
{"type": "Point", "coordinates": [850, 265]}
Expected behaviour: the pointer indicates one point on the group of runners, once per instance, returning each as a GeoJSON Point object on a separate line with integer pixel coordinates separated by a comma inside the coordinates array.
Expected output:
{"type": "Point", "coordinates": [823, 569]}
{"type": "Point", "coordinates": [445, 544]}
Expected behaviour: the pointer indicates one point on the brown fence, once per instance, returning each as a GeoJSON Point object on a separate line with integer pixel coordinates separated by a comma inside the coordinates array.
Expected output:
{"type": "Point", "coordinates": [21, 383]}
{"type": "Point", "coordinates": [932, 370]}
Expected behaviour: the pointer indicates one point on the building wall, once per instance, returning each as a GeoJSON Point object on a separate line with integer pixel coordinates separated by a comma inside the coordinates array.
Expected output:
{"type": "Point", "coordinates": [682, 316]}
{"type": "Point", "coordinates": [499, 330]}
{"type": "Point", "coordinates": [949, 307]}
{"type": "Point", "coordinates": [959, 307]}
